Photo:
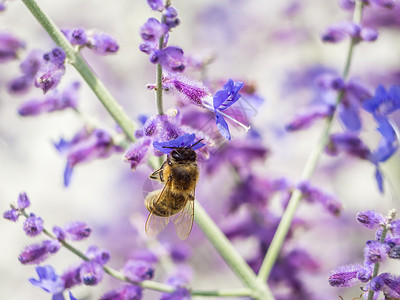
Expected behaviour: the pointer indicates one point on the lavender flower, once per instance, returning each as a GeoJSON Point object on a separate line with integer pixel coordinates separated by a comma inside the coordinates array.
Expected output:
{"type": "Point", "coordinates": [339, 31]}
{"type": "Point", "coordinates": [77, 231]}
{"type": "Point", "coordinates": [33, 226]}
{"type": "Point", "coordinates": [391, 284]}
{"type": "Point", "coordinates": [370, 219]}
{"type": "Point", "coordinates": [102, 43]}
{"type": "Point", "coordinates": [37, 253]}
{"type": "Point", "coordinates": [54, 101]}
{"type": "Point", "coordinates": [152, 30]}
{"type": "Point", "coordinates": [137, 152]}
{"type": "Point", "coordinates": [9, 46]}
{"type": "Point", "coordinates": [50, 75]}
{"type": "Point", "coordinates": [11, 215]}
{"type": "Point", "coordinates": [306, 120]}
{"type": "Point", "coordinates": [49, 281]}
{"type": "Point", "coordinates": [76, 36]}
{"type": "Point", "coordinates": [85, 146]}
{"type": "Point", "coordinates": [186, 141]}
{"type": "Point", "coordinates": [384, 102]}
{"type": "Point", "coordinates": [23, 201]}
{"type": "Point", "coordinates": [170, 58]}
{"type": "Point", "coordinates": [137, 270]}
{"type": "Point", "coordinates": [179, 279]}
{"type": "Point", "coordinates": [171, 17]}
{"type": "Point", "coordinates": [72, 276]}
{"type": "Point", "coordinates": [91, 273]}
{"type": "Point", "coordinates": [375, 252]}
{"type": "Point", "coordinates": [97, 255]}
{"type": "Point", "coordinates": [126, 292]}
{"type": "Point", "coordinates": [59, 232]}
{"type": "Point", "coordinates": [156, 4]}
{"type": "Point", "coordinates": [344, 276]}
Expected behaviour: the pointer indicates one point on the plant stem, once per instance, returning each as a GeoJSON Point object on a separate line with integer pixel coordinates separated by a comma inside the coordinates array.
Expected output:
{"type": "Point", "coordinates": [376, 266]}
{"type": "Point", "coordinates": [309, 169]}
{"type": "Point", "coordinates": [81, 66]}
{"type": "Point", "coordinates": [230, 254]}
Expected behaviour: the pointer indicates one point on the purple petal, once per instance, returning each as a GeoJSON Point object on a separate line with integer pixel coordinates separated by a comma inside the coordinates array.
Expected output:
{"type": "Point", "coordinates": [222, 126]}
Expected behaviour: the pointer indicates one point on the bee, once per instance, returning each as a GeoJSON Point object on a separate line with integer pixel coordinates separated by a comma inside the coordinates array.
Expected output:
{"type": "Point", "coordinates": [175, 201]}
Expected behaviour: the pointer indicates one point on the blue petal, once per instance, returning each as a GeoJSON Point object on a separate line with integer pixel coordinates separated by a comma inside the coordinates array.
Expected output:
{"type": "Point", "coordinates": [371, 105]}
{"type": "Point", "coordinates": [394, 94]}
{"type": "Point", "coordinates": [186, 140]}
{"type": "Point", "coordinates": [62, 145]}
{"type": "Point", "coordinates": [222, 126]}
{"type": "Point", "coordinates": [379, 179]}
{"type": "Point", "coordinates": [71, 297]}
{"type": "Point", "coordinates": [350, 118]}
{"type": "Point", "coordinates": [58, 296]}
{"type": "Point", "coordinates": [198, 146]}
{"type": "Point", "coordinates": [67, 174]}
{"type": "Point", "coordinates": [219, 98]}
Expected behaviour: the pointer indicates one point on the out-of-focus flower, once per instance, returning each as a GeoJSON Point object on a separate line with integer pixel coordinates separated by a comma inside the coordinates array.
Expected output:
{"type": "Point", "coordinates": [37, 253]}
{"type": "Point", "coordinates": [349, 4]}
{"type": "Point", "coordinates": [49, 281]}
{"type": "Point", "coordinates": [11, 215]}
{"type": "Point", "coordinates": [101, 43]}
{"type": "Point", "coordinates": [53, 101]}
{"type": "Point", "coordinates": [76, 36]}
{"type": "Point", "coordinates": [23, 201]}
{"type": "Point", "coordinates": [344, 276]}
{"type": "Point", "coordinates": [339, 31]}
{"type": "Point", "coordinates": [349, 143]}
{"type": "Point", "coordinates": [9, 47]}
{"type": "Point", "coordinates": [307, 119]}
{"type": "Point", "coordinates": [33, 226]}
{"type": "Point", "coordinates": [156, 4]}
{"type": "Point", "coordinates": [152, 30]}
{"type": "Point", "coordinates": [138, 270]}
{"type": "Point", "coordinates": [170, 58]}
{"type": "Point", "coordinates": [180, 278]}
{"type": "Point", "coordinates": [91, 273]}
{"type": "Point", "coordinates": [77, 231]}
{"type": "Point", "coordinates": [51, 72]}
{"type": "Point", "coordinates": [99, 256]}
{"type": "Point", "coordinates": [126, 292]}
{"type": "Point", "coordinates": [383, 102]}
{"type": "Point", "coordinates": [72, 276]}
{"type": "Point", "coordinates": [171, 17]}
{"type": "Point", "coordinates": [370, 219]}
{"type": "Point", "coordinates": [85, 146]}
{"type": "Point", "coordinates": [137, 152]}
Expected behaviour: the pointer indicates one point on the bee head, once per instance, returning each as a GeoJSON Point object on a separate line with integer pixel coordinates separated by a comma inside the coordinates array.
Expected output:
{"type": "Point", "coordinates": [182, 154]}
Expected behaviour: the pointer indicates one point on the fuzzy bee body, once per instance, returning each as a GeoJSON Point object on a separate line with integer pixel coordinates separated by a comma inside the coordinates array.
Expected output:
{"type": "Point", "coordinates": [176, 200]}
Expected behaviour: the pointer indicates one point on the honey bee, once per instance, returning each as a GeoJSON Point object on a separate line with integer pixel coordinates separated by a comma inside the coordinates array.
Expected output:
{"type": "Point", "coordinates": [175, 201]}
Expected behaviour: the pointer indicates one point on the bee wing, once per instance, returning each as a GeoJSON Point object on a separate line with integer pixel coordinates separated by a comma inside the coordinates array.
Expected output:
{"type": "Point", "coordinates": [155, 224]}
{"type": "Point", "coordinates": [184, 220]}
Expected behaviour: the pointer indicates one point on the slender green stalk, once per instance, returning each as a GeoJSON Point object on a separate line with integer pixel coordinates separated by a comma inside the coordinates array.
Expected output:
{"type": "Point", "coordinates": [308, 171]}
{"type": "Point", "coordinates": [159, 91]}
{"type": "Point", "coordinates": [81, 66]}
{"type": "Point", "coordinates": [230, 254]}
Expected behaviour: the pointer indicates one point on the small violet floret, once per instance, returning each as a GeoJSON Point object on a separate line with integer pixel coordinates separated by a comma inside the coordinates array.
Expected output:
{"type": "Point", "coordinates": [186, 140]}
{"type": "Point", "coordinates": [91, 273]}
{"type": "Point", "coordinates": [33, 226]}
{"type": "Point", "coordinates": [370, 219]}
{"type": "Point", "coordinates": [77, 231]}
{"type": "Point", "coordinates": [23, 201]}
{"type": "Point", "coordinates": [49, 281]}
{"type": "Point", "coordinates": [37, 253]}
{"type": "Point", "coordinates": [344, 276]}
{"type": "Point", "coordinates": [138, 270]}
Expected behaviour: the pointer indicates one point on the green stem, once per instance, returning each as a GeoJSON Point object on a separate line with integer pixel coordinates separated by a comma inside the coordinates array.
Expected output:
{"type": "Point", "coordinates": [81, 66]}
{"type": "Point", "coordinates": [230, 254]}
{"type": "Point", "coordinates": [309, 169]}
{"type": "Point", "coordinates": [376, 266]}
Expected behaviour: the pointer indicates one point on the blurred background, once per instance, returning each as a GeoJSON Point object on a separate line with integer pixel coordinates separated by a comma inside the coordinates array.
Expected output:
{"type": "Point", "coordinates": [274, 45]}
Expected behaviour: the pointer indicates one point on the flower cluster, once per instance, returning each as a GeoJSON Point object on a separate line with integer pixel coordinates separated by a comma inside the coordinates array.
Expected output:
{"type": "Point", "coordinates": [385, 246]}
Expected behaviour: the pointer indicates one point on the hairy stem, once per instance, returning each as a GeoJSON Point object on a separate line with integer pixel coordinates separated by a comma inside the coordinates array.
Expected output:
{"type": "Point", "coordinates": [108, 101]}
{"type": "Point", "coordinates": [309, 169]}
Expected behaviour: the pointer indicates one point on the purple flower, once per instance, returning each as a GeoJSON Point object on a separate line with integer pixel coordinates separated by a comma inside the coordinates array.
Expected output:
{"type": "Point", "coordinates": [37, 253]}
{"type": "Point", "coordinates": [152, 30]}
{"type": "Point", "coordinates": [138, 270]}
{"type": "Point", "coordinates": [344, 276]}
{"type": "Point", "coordinates": [185, 141]}
{"type": "Point", "coordinates": [76, 36]}
{"type": "Point", "coordinates": [102, 43]}
{"type": "Point", "coordinates": [313, 194]}
{"type": "Point", "coordinates": [222, 100]}
{"type": "Point", "coordinates": [306, 120]}
{"type": "Point", "coordinates": [126, 292]}
{"type": "Point", "coordinates": [376, 284]}
{"type": "Point", "coordinates": [11, 215]}
{"type": "Point", "coordinates": [85, 146]}
{"type": "Point", "coordinates": [391, 284]}
{"type": "Point", "coordinates": [49, 77]}
{"type": "Point", "coordinates": [375, 252]}
{"type": "Point", "coordinates": [349, 143]}
{"type": "Point", "coordinates": [170, 58]}
{"type": "Point", "coordinates": [156, 4]}
{"type": "Point", "coordinates": [33, 226]}
{"type": "Point", "coordinates": [72, 276]}
{"type": "Point", "coordinates": [49, 281]}
{"type": "Point", "coordinates": [59, 232]}
{"type": "Point", "coordinates": [55, 57]}
{"type": "Point", "coordinates": [179, 279]}
{"type": "Point", "coordinates": [365, 274]}
{"type": "Point", "coordinates": [384, 102]}
{"type": "Point", "coordinates": [370, 219]}
{"type": "Point", "coordinates": [171, 17]}
{"type": "Point", "coordinates": [23, 201]}
{"type": "Point", "coordinates": [394, 252]}
{"type": "Point", "coordinates": [91, 273]}
{"type": "Point", "coordinates": [54, 101]}
{"type": "Point", "coordinates": [137, 152]}
{"type": "Point", "coordinates": [77, 231]}
{"type": "Point", "coordinates": [99, 256]}
{"type": "Point", "coordinates": [339, 31]}
{"type": "Point", "coordinates": [9, 46]}
{"type": "Point", "coordinates": [194, 91]}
